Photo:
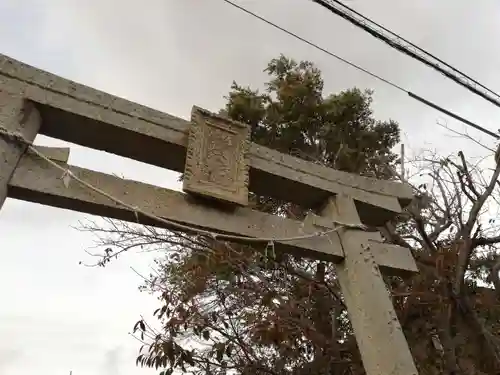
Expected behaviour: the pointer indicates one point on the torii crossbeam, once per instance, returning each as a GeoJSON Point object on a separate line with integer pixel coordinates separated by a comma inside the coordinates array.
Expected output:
{"type": "Point", "coordinates": [220, 165]}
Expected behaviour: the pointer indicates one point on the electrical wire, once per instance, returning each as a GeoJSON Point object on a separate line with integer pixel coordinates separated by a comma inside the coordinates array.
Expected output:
{"type": "Point", "coordinates": [411, 49]}
{"type": "Point", "coordinates": [359, 68]}
{"type": "Point", "coordinates": [399, 37]}
{"type": "Point", "coordinates": [296, 36]}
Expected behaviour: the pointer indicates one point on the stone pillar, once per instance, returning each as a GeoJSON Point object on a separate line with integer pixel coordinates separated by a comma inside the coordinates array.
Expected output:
{"type": "Point", "coordinates": [380, 339]}
{"type": "Point", "coordinates": [16, 115]}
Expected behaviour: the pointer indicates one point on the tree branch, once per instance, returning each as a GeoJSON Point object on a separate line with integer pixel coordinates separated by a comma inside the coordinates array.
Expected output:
{"type": "Point", "coordinates": [495, 278]}
{"type": "Point", "coordinates": [465, 233]}
{"type": "Point", "coordinates": [483, 241]}
{"type": "Point", "coordinates": [468, 176]}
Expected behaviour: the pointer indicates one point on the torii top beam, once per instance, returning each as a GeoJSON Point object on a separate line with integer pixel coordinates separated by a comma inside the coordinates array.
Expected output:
{"type": "Point", "coordinates": [91, 118]}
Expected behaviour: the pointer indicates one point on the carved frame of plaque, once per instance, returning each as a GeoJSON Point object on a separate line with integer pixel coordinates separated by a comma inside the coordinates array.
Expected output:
{"type": "Point", "coordinates": [217, 158]}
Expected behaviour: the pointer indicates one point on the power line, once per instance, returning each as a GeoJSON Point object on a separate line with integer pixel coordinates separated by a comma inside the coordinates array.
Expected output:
{"type": "Point", "coordinates": [376, 76]}
{"type": "Point", "coordinates": [408, 48]}
{"type": "Point", "coordinates": [296, 36]}
{"type": "Point", "coordinates": [414, 46]}
{"type": "Point", "coordinates": [451, 114]}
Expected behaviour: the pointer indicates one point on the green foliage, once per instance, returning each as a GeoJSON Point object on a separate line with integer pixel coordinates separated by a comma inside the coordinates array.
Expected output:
{"type": "Point", "coordinates": [294, 117]}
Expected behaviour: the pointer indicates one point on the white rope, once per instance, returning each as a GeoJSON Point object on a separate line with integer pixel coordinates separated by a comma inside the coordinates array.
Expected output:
{"type": "Point", "coordinates": [182, 227]}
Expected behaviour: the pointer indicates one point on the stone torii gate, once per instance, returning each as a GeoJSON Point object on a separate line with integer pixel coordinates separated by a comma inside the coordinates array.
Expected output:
{"type": "Point", "coordinates": [219, 163]}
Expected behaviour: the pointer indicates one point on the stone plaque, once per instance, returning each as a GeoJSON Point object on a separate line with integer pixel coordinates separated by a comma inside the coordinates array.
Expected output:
{"type": "Point", "coordinates": [217, 158]}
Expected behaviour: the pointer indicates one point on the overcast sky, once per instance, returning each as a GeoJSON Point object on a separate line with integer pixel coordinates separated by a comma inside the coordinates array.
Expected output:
{"type": "Point", "coordinates": [57, 316]}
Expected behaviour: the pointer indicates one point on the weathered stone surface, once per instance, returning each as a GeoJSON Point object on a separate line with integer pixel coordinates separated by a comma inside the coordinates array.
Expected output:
{"type": "Point", "coordinates": [392, 259]}
{"type": "Point", "coordinates": [75, 113]}
{"type": "Point", "coordinates": [217, 158]}
{"type": "Point", "coordinates": [36, 181]}
{"type": "Point", "coordinates": [380, 339]}
{"type": "Point", "coordinates": [58, 154]}
{"type": "Point", "coordinates": [75, 120]}
{"type": "Point", "coordinates": [18, 116]}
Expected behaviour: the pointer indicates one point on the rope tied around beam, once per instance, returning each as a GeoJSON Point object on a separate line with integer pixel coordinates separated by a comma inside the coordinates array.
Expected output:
{"type": "Point", "coordinates": [68, 175]}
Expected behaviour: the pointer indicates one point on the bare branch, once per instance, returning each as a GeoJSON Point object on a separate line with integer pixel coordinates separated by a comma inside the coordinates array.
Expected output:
{"type": "Point", "coordinates": [465, 234]}
{"type": "Point", "coordinates": [483, 241]}
{"type": "Point", "coordinates": [464, 135]}
{"type": "Point", "coordinates": [468, 175]}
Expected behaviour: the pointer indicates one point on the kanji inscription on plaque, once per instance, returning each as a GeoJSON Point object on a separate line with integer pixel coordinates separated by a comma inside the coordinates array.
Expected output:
{"type": "Point", "coordinates": [216, 161]}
